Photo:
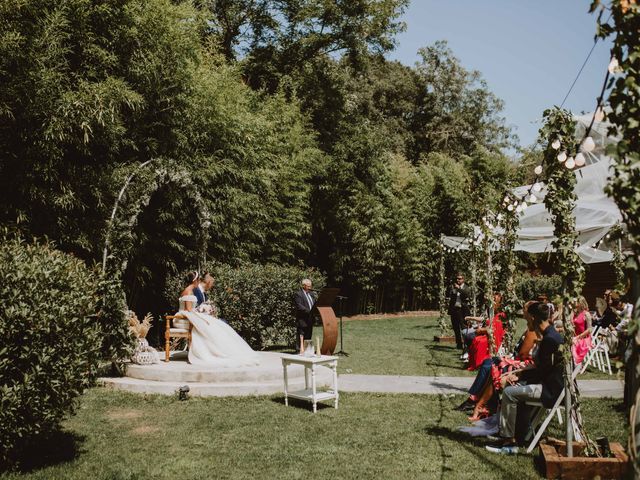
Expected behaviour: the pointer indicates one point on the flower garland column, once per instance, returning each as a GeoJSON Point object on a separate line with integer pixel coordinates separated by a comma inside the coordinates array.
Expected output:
{"type": "Point", "coordinates": [487, 273]}
{"type": "Point", "coordinates": [506, 268]}
{"type": "Point", "coordinates": [559, 159]}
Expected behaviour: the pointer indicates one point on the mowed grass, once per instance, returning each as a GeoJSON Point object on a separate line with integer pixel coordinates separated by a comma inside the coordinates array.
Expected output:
{"type": "Point", "coordinates": [406, 346]}
{"type": "Point", "coordinates": [120, 436]}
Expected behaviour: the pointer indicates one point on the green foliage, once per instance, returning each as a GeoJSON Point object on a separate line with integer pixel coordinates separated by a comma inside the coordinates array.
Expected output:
{"type": "Point", "coordinates": [506, 268]}
{"type": "Point", "coordinates": [50, 341]}
{"type": "Point", "coordinates": [256, 300]}
{"type": "Point", "coordinates": [624, 100]}
{"type": "Point", "coordinates": [335, 163]}
{"type": "Point", "coordinates": [560, 202]}
{"type": "Point", "coordinates": [458, 110]}
{"type": "Point", "coordinates": [117, 342]}
{"type": "Point", "coordinates": [559, 131]}
{"type": "Point", "coordinates": [275, 39]}
{"type": "Point", "coordinates": [528, 287]}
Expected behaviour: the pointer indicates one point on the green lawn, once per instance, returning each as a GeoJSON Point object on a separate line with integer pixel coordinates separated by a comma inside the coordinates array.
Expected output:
{"type": "Point", "coordinates": [405, 346]}
{"type": "Point", "coordinates": [120, 436]}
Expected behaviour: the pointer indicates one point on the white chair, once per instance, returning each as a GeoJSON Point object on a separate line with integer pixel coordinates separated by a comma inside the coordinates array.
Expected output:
{"type": "Point", "coordinates": [598, 356]}
{"type": "Point", "coordinates": [540, 422]}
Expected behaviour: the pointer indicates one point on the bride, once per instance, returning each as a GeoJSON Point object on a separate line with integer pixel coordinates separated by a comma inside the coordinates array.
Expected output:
{"type": "Point", "coordinates": [213, 342]}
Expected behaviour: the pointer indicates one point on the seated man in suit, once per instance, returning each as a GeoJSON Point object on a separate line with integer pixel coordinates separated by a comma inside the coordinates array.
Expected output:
{"type": "Point", "coordinates": [304, 302]}
{"type": "Point", "coordinates": [544, 382]}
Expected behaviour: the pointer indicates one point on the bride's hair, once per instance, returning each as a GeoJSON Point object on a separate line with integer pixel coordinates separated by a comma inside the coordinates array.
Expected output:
{"type": "Point", "coordinates": [190, 277]}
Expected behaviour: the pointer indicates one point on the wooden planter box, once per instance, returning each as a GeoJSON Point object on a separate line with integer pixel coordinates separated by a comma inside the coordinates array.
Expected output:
{"type": "Point", "coordinates": [444, 339]}
{"type": "Point", "coordinates": [558, 465]}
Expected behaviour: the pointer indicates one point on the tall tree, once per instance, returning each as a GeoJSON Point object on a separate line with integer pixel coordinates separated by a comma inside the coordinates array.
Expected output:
{"type": "Point", "coordinates": [458, 112]}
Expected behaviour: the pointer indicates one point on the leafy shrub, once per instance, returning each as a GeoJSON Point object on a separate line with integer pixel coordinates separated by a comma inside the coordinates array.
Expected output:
{"type": "Point", "coordinates": [529, 286]}
{"type": "Point", "coordinates": [50, 343]}
{"type": "Point", "coordinates": [117, 343]}
{"type": "Point", "coordinates": [256, 300]}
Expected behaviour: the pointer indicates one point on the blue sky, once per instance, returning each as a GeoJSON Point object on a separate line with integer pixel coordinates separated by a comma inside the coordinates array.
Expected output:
{"type": "Point", "coordinates": [529, 51]}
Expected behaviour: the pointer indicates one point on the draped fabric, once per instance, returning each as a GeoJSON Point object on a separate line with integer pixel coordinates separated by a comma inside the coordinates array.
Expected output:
{"type": "Point", "coordinates": [595, 212]}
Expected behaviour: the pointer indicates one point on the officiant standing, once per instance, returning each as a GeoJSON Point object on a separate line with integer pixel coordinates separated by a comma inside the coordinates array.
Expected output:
{"type": "Point", "coordinates": [459, 295]}
{"type": "Point", "coordinates": [304, 302]}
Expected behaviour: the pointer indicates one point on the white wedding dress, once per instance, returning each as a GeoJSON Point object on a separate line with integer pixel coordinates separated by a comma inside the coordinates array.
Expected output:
{"type": "Point", "coordinates": [215, 343]}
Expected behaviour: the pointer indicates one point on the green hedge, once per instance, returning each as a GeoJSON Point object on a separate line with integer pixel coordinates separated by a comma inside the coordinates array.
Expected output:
{"type": "Point", "coordinates": [256, 300]}
{"type": "Point", "coordinates": [528, 286]}
{"type": "Point", "coordinates": [50, 343]}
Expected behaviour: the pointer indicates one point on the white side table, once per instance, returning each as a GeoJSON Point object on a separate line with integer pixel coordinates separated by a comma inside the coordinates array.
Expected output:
{"type": "Point", "coordinates": [310, 392]}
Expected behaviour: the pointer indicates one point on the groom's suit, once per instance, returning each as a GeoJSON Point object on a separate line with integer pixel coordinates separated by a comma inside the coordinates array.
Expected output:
{"type": "Point", "coordinates": [304, 303]}
{"type": "Point", "coordinates": [200, 296]}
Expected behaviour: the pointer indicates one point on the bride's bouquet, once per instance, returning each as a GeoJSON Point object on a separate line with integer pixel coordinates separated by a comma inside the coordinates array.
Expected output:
{"type": "Point", "coordinates": [207, 308]}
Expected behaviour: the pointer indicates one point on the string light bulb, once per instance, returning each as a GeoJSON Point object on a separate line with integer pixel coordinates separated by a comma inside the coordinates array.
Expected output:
{"type": "Point", "coordinates": [614, 66]}
{"type": "Point", "coordinates": [570, 163]}
{"type": "Point", "coordinates": [599, 115]}
{"type": "Point", "coordinates": [587, 145]}
{"type": "Point", "coordinates": [538, 170]}
{"type": "Point", "coordinates": [562, 156]}
{"type": "Point", "coordinates": [555, 144]}
{"type": "Point", "coordinates": [580, 160]}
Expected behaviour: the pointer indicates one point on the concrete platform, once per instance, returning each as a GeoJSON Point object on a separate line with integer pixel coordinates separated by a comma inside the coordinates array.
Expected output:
{"type": "Point", "coordinates": [166, 378]}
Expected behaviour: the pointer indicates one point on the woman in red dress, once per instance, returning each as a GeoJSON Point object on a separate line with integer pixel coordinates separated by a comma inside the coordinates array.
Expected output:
{"type": "Point", "coordinates": [479, 349]}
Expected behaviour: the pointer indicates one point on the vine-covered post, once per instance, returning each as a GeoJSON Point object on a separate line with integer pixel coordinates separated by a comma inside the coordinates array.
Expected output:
{"type": "Point", "coordinates": [487, 274]}
{"type": "Point", "coordinates": [562, 148]}
{"type": "Point", "coordinates": [623, 23]}
{"type": "Point", "coordinates": [443, 321]}
{"type": "Point", "coordinates": [618, 262]}
{"type": "Point", "coordinates": [473, 249]}
{"type": "Point", "coordinates": [508, 221]}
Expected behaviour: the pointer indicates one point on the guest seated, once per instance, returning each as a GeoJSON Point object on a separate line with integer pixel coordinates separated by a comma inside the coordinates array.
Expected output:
{"type": "Point", "coordinates": [487, 380]}
{"type": "Point", "coordinates": [610, 317]}
{"type": "Point", "coordinates": [582, 330]}
{"type": "Point", "coordinates": [542, 381]}
{"type": "Point", "coordinates": [479, 348]}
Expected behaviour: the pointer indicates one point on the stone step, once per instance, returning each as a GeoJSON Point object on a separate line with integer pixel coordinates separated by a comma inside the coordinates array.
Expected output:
{"type": "Point", "coordinates": [178, 370]}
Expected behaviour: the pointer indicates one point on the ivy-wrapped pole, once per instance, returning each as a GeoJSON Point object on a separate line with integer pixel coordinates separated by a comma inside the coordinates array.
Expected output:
{"type": "Point", "coordinates": [618, 259]}
{"type": "Point", "coordinates": [559, 130]}
{"type": "Point", "coordinates": [624, 185]}
{"type": "Point", "coordinates": [474, 278]}
{"type": "Point", "coordinates": [443, 321]}
{"type": "Point", "coordinates": [509, 221]}
{"type": "Point", "coordinates": [488, 283]}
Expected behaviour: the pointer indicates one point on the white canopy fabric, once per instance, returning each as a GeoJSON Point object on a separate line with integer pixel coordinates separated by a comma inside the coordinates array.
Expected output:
{"type": "Point", "coordinates": [595, 212]}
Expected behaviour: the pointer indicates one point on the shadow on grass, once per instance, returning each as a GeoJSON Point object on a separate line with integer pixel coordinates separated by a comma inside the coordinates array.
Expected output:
{"type": "Point", "coordinates": [301, 404]}
{"type": "Point", "coordinates": [473, 445]}
{"type": "Point", "coordinates": [416, 339]}
{"type": "Point", "coordinates": [59, 447]}
{"type": "Point", "coordinates": [443, 348]}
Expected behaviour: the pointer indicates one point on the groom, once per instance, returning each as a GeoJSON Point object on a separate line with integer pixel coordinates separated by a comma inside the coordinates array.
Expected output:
{"type": "Point", "coordinates": [304, 302]}
{"type": "Point", "coordinates": [205, 284]}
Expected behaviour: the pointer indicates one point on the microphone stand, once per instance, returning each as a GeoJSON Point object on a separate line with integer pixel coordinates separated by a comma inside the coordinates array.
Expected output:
{"type": "Point", "coordinates": [341, 351]}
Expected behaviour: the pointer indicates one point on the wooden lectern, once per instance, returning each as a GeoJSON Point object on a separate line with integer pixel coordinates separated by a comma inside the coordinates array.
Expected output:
{"type": "Point", "coordinates": [329, 320]}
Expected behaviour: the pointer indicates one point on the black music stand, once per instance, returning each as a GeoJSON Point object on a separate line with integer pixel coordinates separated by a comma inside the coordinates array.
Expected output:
{"type": "Point", "coordinates": [341, 351]}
